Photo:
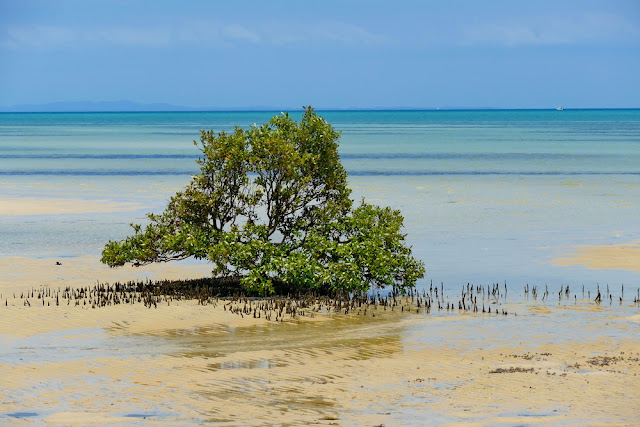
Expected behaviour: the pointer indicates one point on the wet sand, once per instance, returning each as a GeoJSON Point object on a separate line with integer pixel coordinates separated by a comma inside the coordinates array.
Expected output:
{"type": "Point", "coordinates": [558, 361]}
{"type": "Point", "coordinates": [604, 257]}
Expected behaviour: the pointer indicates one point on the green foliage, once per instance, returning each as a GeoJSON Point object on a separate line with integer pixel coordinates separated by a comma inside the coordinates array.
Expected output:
{"type": "Point", "coordinates": [272, 204]}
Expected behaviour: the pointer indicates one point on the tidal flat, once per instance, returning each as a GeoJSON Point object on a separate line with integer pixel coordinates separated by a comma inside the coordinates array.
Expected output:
{"type": "Point", "coordinates": [541, 356]}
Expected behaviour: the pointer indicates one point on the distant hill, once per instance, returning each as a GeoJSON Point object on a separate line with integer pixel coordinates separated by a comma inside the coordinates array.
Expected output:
{"type": "Point", "coordinates": [127, 106]}
{"type": "Point", "coordinates": [90, 106]}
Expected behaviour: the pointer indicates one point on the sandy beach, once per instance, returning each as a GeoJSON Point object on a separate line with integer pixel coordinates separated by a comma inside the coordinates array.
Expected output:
{"type": "Point", "coordinates": [184, 363]}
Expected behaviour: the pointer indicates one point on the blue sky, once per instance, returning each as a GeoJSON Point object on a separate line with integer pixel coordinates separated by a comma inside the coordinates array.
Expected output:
{"type": "Point", "coordinates": [330, 54]}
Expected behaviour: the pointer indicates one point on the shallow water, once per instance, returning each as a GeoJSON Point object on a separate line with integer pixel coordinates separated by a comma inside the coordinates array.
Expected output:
{"type": "Point", "coordinates": [487, 196]}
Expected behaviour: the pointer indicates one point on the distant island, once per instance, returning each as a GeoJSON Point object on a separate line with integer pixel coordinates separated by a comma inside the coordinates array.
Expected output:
{"type": "Point", "coordinates": [132, 106]}
{"type": "Point", "coordinates": [125, 106]}
{"type": "Point", "coordinates": [93, 106]}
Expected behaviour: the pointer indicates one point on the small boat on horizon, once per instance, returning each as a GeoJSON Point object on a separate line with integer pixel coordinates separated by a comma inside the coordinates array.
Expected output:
{"type": "Point", "coordinates": [560, 109]}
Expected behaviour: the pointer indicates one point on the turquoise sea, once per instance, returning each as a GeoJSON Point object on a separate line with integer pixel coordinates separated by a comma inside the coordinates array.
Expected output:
{"type": "Point", "coordinates": [487, 196]}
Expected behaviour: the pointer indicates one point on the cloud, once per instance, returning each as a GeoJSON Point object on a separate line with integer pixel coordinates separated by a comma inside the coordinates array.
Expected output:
{"type": "Point", "coordinates": [334, 32]}
{"type": "Point", "coordinates": [147, 37]}
{"type": "Point", "coordinates": [239, 33]}
{"type": "Point", "coordinates": [211, 34]}
{"type": "Point", "coordinates": [45, 38]}
{"type": "Point", "coordinates": [585, 28]}
{"type": "Point", "coordinates": [49, 37]}
{"type": "Point", "coordinates": [203, 33]}
{"type": "Point", "coordinates": [37, 37]}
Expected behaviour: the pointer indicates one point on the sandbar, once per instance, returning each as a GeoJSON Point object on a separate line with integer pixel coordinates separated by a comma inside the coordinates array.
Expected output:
{"type": "Point", "coordinates": [624, 256]}
{"type": "Point", "coordinates": [60, 205]}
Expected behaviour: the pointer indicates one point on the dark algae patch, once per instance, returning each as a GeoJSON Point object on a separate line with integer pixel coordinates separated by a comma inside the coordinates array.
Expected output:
{"type": "Point", "coordinates": [511, 370]}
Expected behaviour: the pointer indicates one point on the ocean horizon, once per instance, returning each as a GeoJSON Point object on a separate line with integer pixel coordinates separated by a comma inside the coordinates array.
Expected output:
{"type": "Point", "coordinates": [82, 109]}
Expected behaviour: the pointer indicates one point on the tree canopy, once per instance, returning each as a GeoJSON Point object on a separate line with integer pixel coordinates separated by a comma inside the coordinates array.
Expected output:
{"type": "Point", "coordinates": [272, 204]}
